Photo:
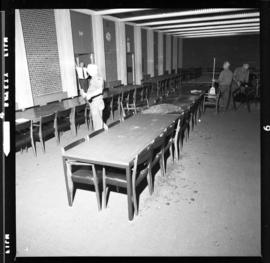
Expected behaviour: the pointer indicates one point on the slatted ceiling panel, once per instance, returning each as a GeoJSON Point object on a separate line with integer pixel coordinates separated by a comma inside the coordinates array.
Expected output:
{"type": "Point", "coordinates": [164, 20]}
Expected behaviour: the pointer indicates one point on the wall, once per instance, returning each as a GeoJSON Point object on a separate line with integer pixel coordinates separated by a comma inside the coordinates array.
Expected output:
{"type": "Point", "coordinates": [199, 52]}
{"type": "Point", "coordinates": [39, 33]}
{"type": "Point", "coordinates": [130, 35]}
{"type": "Point", "coordinates": [144, 52]}
{"type": "Point", "coordinates": [155, 53]}
{"type": "Point", "coordinates": [82, 35]}
{"type": "Point", "coordinates": [110, 50]}
{"type": "Point", "coordinates": [164, 53]}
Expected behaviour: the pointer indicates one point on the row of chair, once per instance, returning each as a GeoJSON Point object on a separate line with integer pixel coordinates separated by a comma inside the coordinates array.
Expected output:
{"type": "Point", "coordinates": [130, 100]}
{"type": "Point", "coordinates": [48, 103]}
{"type": "Point", "coordinates": [49, 126]}
{"type": "Point", "coordinates": [103, 178]}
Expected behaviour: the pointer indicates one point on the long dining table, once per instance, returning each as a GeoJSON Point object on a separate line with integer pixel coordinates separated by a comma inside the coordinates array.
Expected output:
{"type": "Point", "coordinates": [118, 146]}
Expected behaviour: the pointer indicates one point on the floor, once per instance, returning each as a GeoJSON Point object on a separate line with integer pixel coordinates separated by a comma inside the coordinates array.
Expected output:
{"type": "Point", "coordinates": [207, 205]}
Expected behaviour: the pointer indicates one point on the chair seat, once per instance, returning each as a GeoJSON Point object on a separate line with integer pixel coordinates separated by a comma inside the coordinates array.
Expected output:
{"type": "Point", "coordinates": [84, 174]}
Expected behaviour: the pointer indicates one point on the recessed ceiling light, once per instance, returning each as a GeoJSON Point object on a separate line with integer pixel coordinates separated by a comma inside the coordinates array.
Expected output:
{"type": "Point", "coordinates": [218, 31]}
{"type": "Point", "coordinates": [173, 31]}
{"type": "Point", "coordinates": [199, 19]}
{"type": "Point", "coordinates": [119, 10]}
{"type": "Point", "coordinates": [249, 20]}
{"type": "Point", "coordinates": [184, 13]}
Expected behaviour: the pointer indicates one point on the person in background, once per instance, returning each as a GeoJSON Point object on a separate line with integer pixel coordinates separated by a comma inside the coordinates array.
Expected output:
{"type": "Point", "coordinates": [241, 76]}
{"type": "Point", "coordinates": [225, 81]}
{"type": "Point", "coordinates": [82, 75]}
{"type": "Point", "coordinates": [95, 97]}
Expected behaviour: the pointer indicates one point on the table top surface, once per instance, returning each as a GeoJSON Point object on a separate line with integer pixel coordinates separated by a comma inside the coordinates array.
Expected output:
{"type": "Point", "coordinates": [35, 113]}
{"type": "Point", "coordinates": [120, 144]}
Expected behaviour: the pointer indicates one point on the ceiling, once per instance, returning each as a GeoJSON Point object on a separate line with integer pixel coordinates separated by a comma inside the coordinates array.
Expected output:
{"type": "Point", "coordinates": [190, 23]}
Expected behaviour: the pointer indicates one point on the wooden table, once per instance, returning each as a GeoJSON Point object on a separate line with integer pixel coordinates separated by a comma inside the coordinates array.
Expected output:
{"type": "Point", "coordinates": [118, 146]}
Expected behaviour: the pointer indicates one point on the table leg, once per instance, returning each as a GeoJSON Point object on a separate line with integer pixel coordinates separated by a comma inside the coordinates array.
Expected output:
{"type": "Point", "coordinates": [129, 194]}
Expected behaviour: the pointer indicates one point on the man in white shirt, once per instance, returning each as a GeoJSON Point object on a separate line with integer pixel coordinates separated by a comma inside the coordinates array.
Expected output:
{"type": "Point", "coordinates": [94, 95]}
{"type": "Point", "coordinates": [82, 75]}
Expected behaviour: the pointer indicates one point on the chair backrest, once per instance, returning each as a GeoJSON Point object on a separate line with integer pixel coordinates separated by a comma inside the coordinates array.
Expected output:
{"type": "Point", "coordinates": [47, 122]}
{"type": "Point", "coordinates": [63, 113]}
{"type": "Point", "coordinates": [125, 96]}
{"type": "Point", "coordinates": [169, 132]}
{"type": "Point", "coordinates": [80, 109]}
{"type": "Point", "coordinates": [142, 161]}
{"type": "Point", "coordinates": [113, 124]}
{"type": "Point", "coordinates": [132, 95]}
{"type": "Point", "coordinates": [47, 119]}
{"type": "Point", "coordinates": [158, 142]}
{"type": "Point", "coordinates": [72, 145]}
{"type": "Point", "coordinates": [116, 98]}
{"type": "Point", "coordinates": [139, 93]}
{"type": "Point", "coordinates": [91, 135]}
{"type": "Point", "coordinates": [24, 126]}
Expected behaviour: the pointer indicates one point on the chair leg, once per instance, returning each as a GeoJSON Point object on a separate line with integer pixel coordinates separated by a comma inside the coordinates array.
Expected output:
{"type": "Point", "coordinates": [104, 192]}
{"type": "Point", "coordinates": [43, 145]}
{"type": "Point", "coordinates": [97, 194]}
{"type": "Point", "coordinates": [171, 153]}
{"type": "Point", "coordinates": [176, 148]}
{"type": "Point", "coordinates": [33, 143]}
{"type": "Point", "coordinates": [163, 164]}
{"type": "Point", "coordinates": [134, 194]}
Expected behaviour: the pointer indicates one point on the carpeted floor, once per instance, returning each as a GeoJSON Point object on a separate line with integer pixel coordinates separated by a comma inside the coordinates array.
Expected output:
{"type": "Point", "coordinates": [207, 205]}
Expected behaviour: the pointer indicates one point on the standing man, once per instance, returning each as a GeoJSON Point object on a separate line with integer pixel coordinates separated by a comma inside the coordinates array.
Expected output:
{"type": "Point", "coordinates": [95, 97]}
{"type": "Point", "coordinates": [225, 81]}
{"type": "Point", "coordinates": [241, 76]}
{"type": "Point", "coordinates": [82, 75]}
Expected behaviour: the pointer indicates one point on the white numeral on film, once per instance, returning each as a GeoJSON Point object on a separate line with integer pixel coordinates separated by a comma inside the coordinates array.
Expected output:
{"type": "Point", "coordinates": [266, 128]}
{"type": "Point", "coordinates": [7, 244]}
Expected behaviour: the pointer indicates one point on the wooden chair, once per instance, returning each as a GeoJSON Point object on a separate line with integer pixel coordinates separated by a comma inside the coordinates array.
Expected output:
{"type": "Point", "coordinates": [158, 153]}
{"type": "Point", "coordinates": [117, 177]}
{"type": "Point", "coordinates": [146, 94]}
{"type": "Point", "coordinates": [62, 122]}
{"type": "Point", "coordinates": [108, 108]}
{"type": "Point", "coordinates": [176, 139]}
{"type": "Point", "coordinates": [116, 104]}
{"type": "Point", "coordinates": [169, 141]}
{"type": "Point", "coordinates": [24, 136]}
{"type": "Point", "coordinates": [88, 116]}
{"type": "Point", "coordinates": [211, 100]}
{"type": "Point", "coordinates": [44, 129]}
{"type": "Point", "coordinates": [80, 173]}
{"type": "Point", "coordinates": [131, 105]}
{"type": "Point", "coordinates": [138, 102]}
{"type": "Point", "coordinates": [124, 102]}
{"type": "Point", "coordinates": [80, 116]}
